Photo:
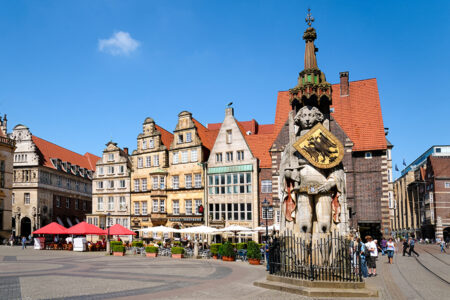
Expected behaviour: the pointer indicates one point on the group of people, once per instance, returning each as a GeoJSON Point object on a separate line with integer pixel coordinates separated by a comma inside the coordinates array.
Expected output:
{"type": "Point", "coordinates": [409, 244]}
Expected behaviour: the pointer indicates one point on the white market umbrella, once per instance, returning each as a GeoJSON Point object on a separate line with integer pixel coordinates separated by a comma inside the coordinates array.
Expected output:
{"type": "Point", "coordinates": [275, 227]}
{"type": "Point", "coordinates": [199, 229]}
{"type": "Point", "coordinates": [162, 229]}
{"type": "Point", "coordinates": [234, 229]}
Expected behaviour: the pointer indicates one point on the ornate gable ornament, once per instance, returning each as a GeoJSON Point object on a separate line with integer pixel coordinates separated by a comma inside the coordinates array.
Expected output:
{"type": "Point", "coordinates": [320, 147]}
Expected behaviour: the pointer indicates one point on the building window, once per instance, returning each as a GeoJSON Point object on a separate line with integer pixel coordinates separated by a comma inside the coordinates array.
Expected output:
{"type": "Point", "coordinates": [125, 223]}
{"type": "Point", "coordinates": [110, 203]}
{"type": "Point", "coordinates": [151, 143]}
{"type": "Point", "coordinates": [111, 157]}
{"type": "Point", "coordinates": [26, 198]}
{"type": "Point", "coordinates": [231, 183]}
{"type": "Point", "coordinates": [155, 208]}
{"type": "Point", "coordinates": [148, 161]}
{"type": "Point", "coordinates": [122, 183]}
{"type": "Point", "coordinates": [194, 155]}
{"type": "Point", "coordinates": [240, 155]}
{"type": "Point", "coordinates": [162, 182]}
{"type": "Point", "coordinates": [391, 200]}
{"type": "Point", "coordinates": [139, 162]}
{"type": "Point", "coordinates": [77, 185]}
{"type": "Point", "coordinates": [229, 136]}
{"type": "Point", "coordinates": [111, 170]}
{"type": "Point", "coordinates": [137, 210]}
{"type": "Point", "coordinates": [155, 182]}
{"type": "Point", "coordinates": [198, 202]}
{"type": "Point", "coordinates": [99, 184]}
{"type": "Point", "coordinates": [198, 180]}
{"type": "Point", "coordinates": [389, 175]}
{"type": "Point", "coordinates": [58, 201]}
{"type": "Point", "coordinates": [144, 208]}
{"type": "Point", "coordinates": [100, 170]}
{"type": "Point", "coordinates": [188, 181]}
{"type": "Point", "coordinates": [368, 155]}
{"type": "Point", "coordinates": [13, 198]}
{"type": "Point", "coordinates": [188, 204]}
{"type": "Point", "coordinates": [136, 185]}
{"type": "Point", "coordinates": [388, 154]}
{"type": "Point", "coordinates": [144, 144]}
{"type": "Point", "coordinates": [278, 216]}
{"type": "Point", "coordinates": [162, 206]}
{"type": "Point", "coordinates": [184, 156]}
{"type": "Point", "coordinates": [176, 207]}
{"type": "Point", "coordinates": [175, 182]}
{"type": "Point", "coordinates": [266, 186]}
{"type": "Point", "coordinates": [76, 203]}
{"type": "Point", "coordinates": [144, 184]}
{"type": "Point", "coordinates": [218, 157]}
{"type": "Point", "coordinates": [188, 137]}
{"type": "Point", "coordinates": [438, 150]}
{"type": "Point", "coordinates": [67, 203]}
{"type": "Point", "coordinates": [231, 211]}
{"type": "Point", "coordinates": [175, 158]}
{"type": "Point", "coordinates": [156, 160]}
{"type": "Point", "coordinates": [68, 183]}
{"type": "Point", "coordinates": [229, 156]}
{"type": "Point", "coordinates": [180, 138]}
{"type": "Point", "coordinates": [99, 203]}
{"type": "Point", "coordinates": [122, 205]}
{"type": "Point", "coordinates": [122, 169]}
{"type": "Point", "coordinates": [111, 184]}
{"type": "Point", "coordinates": [447, 185]}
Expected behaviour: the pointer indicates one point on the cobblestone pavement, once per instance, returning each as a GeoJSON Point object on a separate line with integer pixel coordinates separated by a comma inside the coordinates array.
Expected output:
{"type": "Point", "coordinates": [32, 274]}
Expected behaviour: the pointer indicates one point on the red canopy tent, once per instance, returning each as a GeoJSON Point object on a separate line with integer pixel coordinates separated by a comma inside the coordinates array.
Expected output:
{"type": "Point", "coordinates": [119, 230]}
{"type": "Point", "coordinates": [84, 228]}
{"type": "Point", "coordinates": [52, 228]}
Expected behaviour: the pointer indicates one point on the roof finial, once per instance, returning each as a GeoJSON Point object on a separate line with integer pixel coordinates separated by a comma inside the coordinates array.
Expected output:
{"type": "Point", "coordinates": [309, 18]}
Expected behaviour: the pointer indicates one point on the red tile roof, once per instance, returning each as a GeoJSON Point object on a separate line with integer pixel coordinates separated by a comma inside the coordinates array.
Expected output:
{"type": "Point", "coordinates": [166, 137]}
{"type": "Point", "coordinates": [441, 166]}
{"type": "Point", "coordinates": [358, 114]}
{"type": "Point", "coordinates": [251, 126]}
{"type": "Point", "coordinates": [50, 150]}
{"type": "Point", "coordinates": [207, 136]}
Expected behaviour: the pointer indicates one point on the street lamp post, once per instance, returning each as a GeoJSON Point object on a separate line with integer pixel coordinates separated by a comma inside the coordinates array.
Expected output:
{"type": "Point", "coordinates": [108, 246]}
{"type": "Point", "coordinates": [266, 205]}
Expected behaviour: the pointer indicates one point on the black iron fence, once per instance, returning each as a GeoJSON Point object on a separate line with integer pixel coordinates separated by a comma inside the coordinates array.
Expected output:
{"type": "Point", "coordinates": [329, 257]}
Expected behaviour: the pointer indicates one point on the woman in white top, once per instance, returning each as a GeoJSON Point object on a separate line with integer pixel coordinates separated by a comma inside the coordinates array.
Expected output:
{"type": "Point", "coordinates": [372, 259]}
{"type": "Point", "coordinates": [390, 248]}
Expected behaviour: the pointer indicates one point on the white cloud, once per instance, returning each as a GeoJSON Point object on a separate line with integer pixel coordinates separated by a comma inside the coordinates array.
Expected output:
{"type": "Point", "coordinates": [121, 43]}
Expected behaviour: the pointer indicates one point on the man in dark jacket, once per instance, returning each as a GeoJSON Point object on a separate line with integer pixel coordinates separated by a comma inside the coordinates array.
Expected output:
{"type": "Point", "coordinates": [405, 246]}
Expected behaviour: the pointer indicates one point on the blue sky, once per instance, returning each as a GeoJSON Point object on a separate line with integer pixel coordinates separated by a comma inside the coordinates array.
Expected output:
{"type": "Point", "coordinates": [79, 73]}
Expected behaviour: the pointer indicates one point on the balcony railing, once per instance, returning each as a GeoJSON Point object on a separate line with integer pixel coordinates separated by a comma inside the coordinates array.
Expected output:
{"type": "Point", "coordinates": [7, 141]}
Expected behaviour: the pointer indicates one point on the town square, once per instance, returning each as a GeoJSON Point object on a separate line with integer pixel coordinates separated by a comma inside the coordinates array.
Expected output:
{"type": "Point", "coordinates": [207, 149]}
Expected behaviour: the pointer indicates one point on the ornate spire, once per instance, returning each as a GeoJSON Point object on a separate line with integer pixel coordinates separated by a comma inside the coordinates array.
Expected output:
{"type": "Point", "coordinates": [312, 88]}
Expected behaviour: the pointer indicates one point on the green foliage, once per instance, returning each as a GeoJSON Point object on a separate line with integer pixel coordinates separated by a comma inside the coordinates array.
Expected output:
{"type": "Point", "coordinates": [261, 246]}
{"type": "Point", "coordinates": [215, 248]}
{"type": "Point", "coordinates": [118, 248]}
{"type": "Point", "coordinates": [177, 243]}
{"type": "Point", "coordinates": [253, 250]}
{"type": "Point", "coordinates": [138, 244]}
{"type": "Point", "coordinates": [177, 250]}
{"type": "Point", "coordinates": [151, 249]}
{"type": "Point", "coordinates": [159, 243]}
{"type": "Point", "coordinates": [228, 250]}
{"type": "Point", "coordinates": [112, 243]}
{"type": "Point", "coordinates": [241, 246]}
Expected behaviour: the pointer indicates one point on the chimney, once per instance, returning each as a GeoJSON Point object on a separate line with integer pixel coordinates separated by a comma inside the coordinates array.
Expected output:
{"type": "Point", "coordinates": [229, 111]}
{"type": "Point", "coordinates": [125, 150]}
{"type": "Point", "coordinates": [345, 90]}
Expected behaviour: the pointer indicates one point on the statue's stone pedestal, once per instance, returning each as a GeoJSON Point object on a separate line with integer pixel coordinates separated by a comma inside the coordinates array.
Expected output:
{"type": "Point", "coordinates": [309, 288]}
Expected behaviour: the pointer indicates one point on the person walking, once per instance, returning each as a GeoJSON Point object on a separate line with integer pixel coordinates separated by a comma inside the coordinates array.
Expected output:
{"type": "Point", "coordinates": [383, 246]}
{"type": "Point", "coordinates": [412, 242]}
{"type": "Point", "coordinates": [405, 246]}
{"type": "Point", "coordinates": [443, 246]}
{"type": "Point", "coordinates": [363, 254]}
{"type": "Point", "coordinates": [390, 249]}
{"type": "Point", "coordinates": [11, 240]}
{"type": "Point", "coordinates": [24, 242]}
{"type": "Point", "coordinates": [372, 259]}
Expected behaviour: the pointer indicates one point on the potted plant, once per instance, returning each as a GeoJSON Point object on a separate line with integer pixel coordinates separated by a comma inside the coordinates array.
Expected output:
{"type": "Point", "coordinates": [215, 250]}
{"type": "Point", "coordinates": [253, 253]}
{"type": "Point", "coordinates": [137, 244]}
{"type": "Point", "coordinates": [118, 250]}
{"type": "Point", "coordinates": [227, 252]}
{"type": "Point", "coordinates": [177, 252]}
{"type": "Point", "coordinates": [151, 251]}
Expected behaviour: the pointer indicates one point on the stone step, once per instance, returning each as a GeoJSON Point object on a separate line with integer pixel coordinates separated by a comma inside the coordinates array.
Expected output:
{"type": "Point", "coordinates": [317, 283]}
{"type": "Point", "coordinates": [317, 292]}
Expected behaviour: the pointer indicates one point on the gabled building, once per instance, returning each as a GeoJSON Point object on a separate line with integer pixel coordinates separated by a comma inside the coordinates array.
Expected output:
{"type": "Point", "coordinates": [150, 162]}
{"type": "Point", "coordinates": [50, 183]}
{"type": "Point", "coordinates": [111, 199]}
{"type": "Point", "coordinates": [234, 166]}
{"type": "Point", "coordinates": [355, 118]}
{"type": "Point", "coordinates": [188, 154]}
{"type": "Point", "coordinates": [7, 147]}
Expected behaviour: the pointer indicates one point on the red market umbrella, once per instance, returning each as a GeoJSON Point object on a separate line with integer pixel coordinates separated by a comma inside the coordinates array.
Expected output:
{"type": "Point", "coordinates": [84, 228]}
{"type": "Point", "coordinates": [52, 228]}
{"type": "Point", "coordinates": [119, 230]}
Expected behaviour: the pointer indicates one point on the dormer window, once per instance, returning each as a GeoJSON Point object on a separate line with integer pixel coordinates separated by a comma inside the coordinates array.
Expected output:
{"type": "Point", "coordinates": [188, 137]}
{"type": "Point", "coordinates": [144, 144]}
{"type": "Point", "coordinates": [368, 155]}
{"type": "Point", "coordinates": [151, 143]}
{"type": "Point", "coordinates": [111, 157]}
{"type": "Point", "coordinates": [229, 136]}
{"type": "Point", "coordinates": [180, 139]}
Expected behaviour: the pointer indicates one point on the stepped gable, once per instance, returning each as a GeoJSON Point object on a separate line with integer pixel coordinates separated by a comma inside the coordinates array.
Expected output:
{"type": "Point", "coordinates": [166, 137]}
{"type": "Point", "coordinates": [207, 136]}
{"type": "Point", "coordinates": [358, 114]}
{"type": "Point", "coordinates": [50, 150]}
{"type": "Point", "coordinates": [441, 166]}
